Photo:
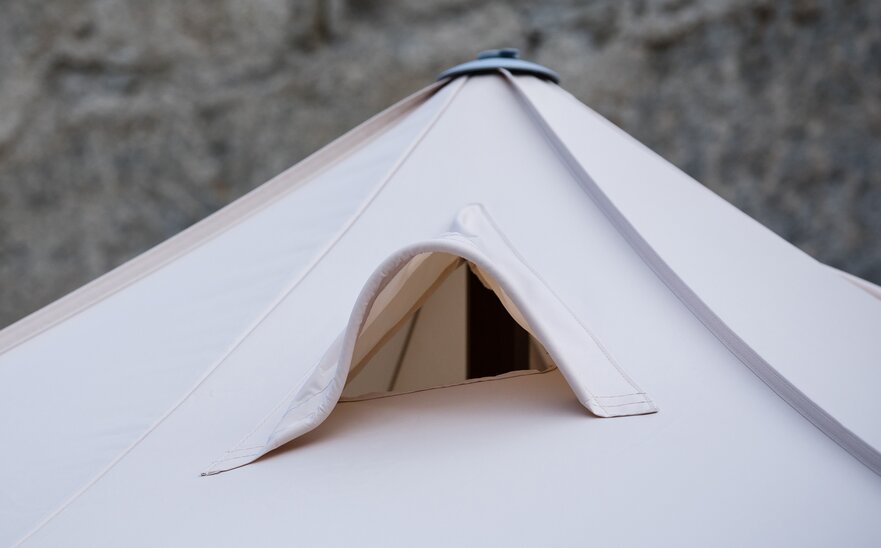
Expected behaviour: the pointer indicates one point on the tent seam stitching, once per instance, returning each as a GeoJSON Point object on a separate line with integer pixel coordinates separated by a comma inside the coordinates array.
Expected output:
{"type": "Point", "coordinates": [366, 132]}
{"type": "Point", "coordinates": [386, 180]}
{"type": "Point", "coordinates": [395, 168]}
{"type": "Point", "coordinates": [823, 420]}
{"type": "Point", "coordinates": [566, 307]}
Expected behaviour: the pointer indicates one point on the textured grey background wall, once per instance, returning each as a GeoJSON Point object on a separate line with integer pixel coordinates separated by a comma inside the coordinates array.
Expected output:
{"type": "Point", "coordinates": [123, 122]}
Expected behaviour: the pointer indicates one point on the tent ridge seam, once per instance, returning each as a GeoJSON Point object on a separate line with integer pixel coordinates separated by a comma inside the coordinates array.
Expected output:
{"type": "Point", "coordinates": [357, 215]}
{"type": "Point", "coordinates": [787, 391]}
{"type": "Point", "coordinates": [593, 397]}
{"type": "Point", "coordinates": [303, 378]}
{"type": "Point", "coordinates": [566, 307]}
{"type": "Point", "coordinates": [361, 210]}
{"type": "Point", "coordinates": [205, 230]}
{"type": "Point", "coordinates": [587, 389]}
{"type": "Point", "coordinates": [260, 319]}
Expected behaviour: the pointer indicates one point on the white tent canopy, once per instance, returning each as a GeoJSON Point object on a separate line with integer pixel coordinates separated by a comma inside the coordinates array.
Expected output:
{"type": "Point", "coordinates": [727, 381]}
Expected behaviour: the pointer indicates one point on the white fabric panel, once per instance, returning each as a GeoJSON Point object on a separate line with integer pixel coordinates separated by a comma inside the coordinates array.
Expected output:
{"type": "Point", "coordinates": [817, 332]}
{"type": "Point", "coordinates": [75, 397]}
{"type": "Point", "coordinates": [594, 375]}
{"type": "Point", "coordinates": [736, 467]}
{"type": "Point", "coordinates": [725, 451]}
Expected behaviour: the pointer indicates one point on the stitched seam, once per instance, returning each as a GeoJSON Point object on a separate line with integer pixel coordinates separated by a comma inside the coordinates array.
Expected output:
{"type": "Point", "coordinates": [248, 332]}
{"type": "Point", "coordinates": [365, 132]}
{"type": "Point", "coordinates": [382, 186]}
{"type": "Point", "coordinates": [541, 279]}
{"type": "Point", "coordinates": [568, 159]}
{"type": "Point", "coordinates": [517, 256]}
{"type": "Point", "coordinates": [819, 417]}
{"type": "Point", "coordinates": [463, 239]}
{"type": "Point", "coordinates": [236, 457]}
{"type": "Point", "coordinates": [386, 180]}
{"type": "Point", "coordinates": [215, 463]}
{"type": "Point", "coordinates": [460, 238]}
{"type": "Point", "coordinates": [623, 395]}
{"type": "Point", "coordinates": [249, 448]}
{"type": "Point", "coordinates": [296, 386]}
{"type": "Point", "coordinates": [630, 403]}
{"type": "Point", "coordinates": [384, 396]}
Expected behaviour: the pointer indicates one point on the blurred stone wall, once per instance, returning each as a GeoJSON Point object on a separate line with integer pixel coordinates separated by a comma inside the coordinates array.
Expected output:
{"type": "Point", "coordinates": [123, 122]}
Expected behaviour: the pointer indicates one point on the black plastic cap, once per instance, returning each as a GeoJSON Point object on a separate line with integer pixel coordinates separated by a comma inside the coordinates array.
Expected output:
{"type": "Point", "coordinates": [506, 58]}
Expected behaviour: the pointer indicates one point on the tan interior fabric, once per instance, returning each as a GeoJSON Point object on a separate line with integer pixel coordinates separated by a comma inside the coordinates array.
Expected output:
{"type": "Point", "coordinates": [404, 294]}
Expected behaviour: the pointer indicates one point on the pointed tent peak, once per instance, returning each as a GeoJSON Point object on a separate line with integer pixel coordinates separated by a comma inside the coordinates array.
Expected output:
{"type": "Point", "coordinates": [504, 58]}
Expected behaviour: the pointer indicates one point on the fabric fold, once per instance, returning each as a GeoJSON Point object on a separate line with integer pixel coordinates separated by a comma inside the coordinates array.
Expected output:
{"type": "Point", "coordinates": [596, 378]}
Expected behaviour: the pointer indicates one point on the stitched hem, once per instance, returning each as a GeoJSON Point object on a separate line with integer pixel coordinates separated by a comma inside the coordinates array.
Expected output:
{"type": "Point", "coordinates": [212, 226]}
{"type": "Point", "coordinates": [798, 400]}
{"type": "Point", "coordinates": [375, 126]}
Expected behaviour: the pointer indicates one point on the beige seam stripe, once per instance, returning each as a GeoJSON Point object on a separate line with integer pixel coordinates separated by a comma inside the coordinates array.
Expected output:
{"type": "Point", "coordinates": [210, 227]}
{"type": "Point", "coordinates": [357, 137]}
{"type": "Point", "coordinates": [819, 417]}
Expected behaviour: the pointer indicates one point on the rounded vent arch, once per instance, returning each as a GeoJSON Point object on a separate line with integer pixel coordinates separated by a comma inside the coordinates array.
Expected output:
{"type": "Point", "coordinates": [597, 380]}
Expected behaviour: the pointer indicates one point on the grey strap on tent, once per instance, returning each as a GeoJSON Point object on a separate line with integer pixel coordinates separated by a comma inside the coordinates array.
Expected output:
{"type": "Point", "coordinates": [819, 417]}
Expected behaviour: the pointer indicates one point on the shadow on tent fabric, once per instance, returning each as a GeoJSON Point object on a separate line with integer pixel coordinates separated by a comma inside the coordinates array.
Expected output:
{"type": "Point", "coordinates": [482, 406]}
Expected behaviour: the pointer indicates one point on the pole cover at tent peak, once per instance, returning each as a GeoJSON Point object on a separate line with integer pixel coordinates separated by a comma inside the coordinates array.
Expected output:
{"type": "Point", "coordinates": [495, 59]}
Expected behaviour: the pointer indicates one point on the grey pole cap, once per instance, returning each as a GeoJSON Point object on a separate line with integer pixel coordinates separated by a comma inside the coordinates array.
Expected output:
{"type": "Point", "coordinates": [506, 58]}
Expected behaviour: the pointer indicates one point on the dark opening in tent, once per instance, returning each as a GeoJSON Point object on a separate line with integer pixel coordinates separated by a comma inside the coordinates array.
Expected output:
{"type": "Point", "coordinates": [451, 330]}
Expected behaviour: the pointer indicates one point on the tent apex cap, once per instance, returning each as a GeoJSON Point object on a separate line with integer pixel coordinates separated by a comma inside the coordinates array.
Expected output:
{"type": "Point", "coordinates": [502, 58]}
{"type": "Point", "coordinates": [507, 53]}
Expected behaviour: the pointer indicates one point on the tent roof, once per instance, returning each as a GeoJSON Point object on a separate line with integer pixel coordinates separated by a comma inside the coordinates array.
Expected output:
{"type": "Point", "coordinates": [116, 398]}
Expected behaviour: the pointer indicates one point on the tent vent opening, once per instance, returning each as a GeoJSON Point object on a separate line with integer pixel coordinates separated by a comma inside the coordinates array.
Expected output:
{"type": "Point", "coordinates": [437, 323]}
